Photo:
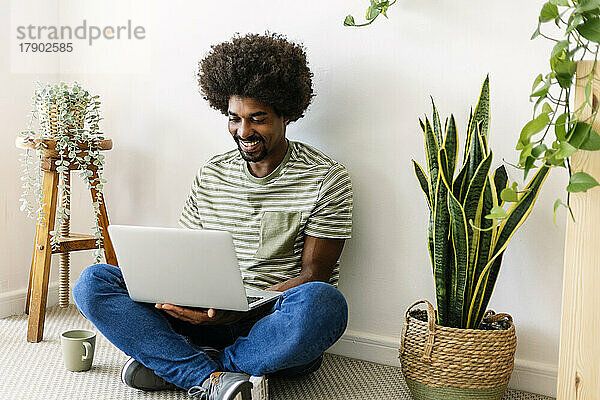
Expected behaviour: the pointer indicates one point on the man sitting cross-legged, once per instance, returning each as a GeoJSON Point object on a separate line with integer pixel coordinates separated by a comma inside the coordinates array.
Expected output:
{"type": "Point", "coordinates": [289, 209]}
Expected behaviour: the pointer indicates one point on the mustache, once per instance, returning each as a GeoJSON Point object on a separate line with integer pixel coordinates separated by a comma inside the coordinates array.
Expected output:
{"type": "Point", "coordinates": [237, 138]}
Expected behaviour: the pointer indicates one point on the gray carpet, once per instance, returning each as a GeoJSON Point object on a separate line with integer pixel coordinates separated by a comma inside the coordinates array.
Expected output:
{"type": "Point", "coordinates": [35, 371]}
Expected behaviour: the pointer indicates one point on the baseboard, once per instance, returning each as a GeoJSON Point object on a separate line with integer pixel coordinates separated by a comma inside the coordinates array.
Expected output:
{"type": "Point", "coordinates": [528, 376]}
{"type": "Point", "coordinates": [13, 302]}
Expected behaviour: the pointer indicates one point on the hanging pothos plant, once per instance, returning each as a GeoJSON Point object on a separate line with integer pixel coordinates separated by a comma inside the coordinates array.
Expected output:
{"type": "Point", "coordinates": [375, 9]}
{"type": "Point", "coordinates": [556, 131]}
{"type": "Point", "coordinates": [70, 115]}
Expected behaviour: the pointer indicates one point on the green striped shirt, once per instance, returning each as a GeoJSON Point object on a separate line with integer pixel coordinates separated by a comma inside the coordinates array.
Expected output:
{"type": "Point", "coordinates": [307, 194]}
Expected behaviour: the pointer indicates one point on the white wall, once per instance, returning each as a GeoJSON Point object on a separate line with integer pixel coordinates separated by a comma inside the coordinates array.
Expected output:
{"type": "Point", "coordinates": [16, 232]}
{"type": "Point", "coordinates": [372, 84]}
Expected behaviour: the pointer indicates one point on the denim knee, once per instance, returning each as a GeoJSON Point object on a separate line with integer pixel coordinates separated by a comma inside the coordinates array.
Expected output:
{"type": "Point", "coordinates": [88, 285]}
{"type": "Point", "coordinates": [326, 302]}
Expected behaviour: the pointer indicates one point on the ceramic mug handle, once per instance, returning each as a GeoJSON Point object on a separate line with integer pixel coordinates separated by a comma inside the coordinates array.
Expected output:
{"type": "Point", "coordinates": [88, 351]}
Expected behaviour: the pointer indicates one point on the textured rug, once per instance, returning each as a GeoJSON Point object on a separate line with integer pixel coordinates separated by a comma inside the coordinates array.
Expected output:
{"type": "Point", "coordinates": [35, 371]}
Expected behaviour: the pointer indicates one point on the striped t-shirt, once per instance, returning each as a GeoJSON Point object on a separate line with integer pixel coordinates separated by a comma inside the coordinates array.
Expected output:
{"type": "Point", "coordinates": [307, 194]}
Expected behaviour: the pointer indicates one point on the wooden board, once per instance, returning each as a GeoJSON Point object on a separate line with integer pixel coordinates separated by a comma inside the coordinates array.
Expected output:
{"type": "Point", "coordinates": [579, 359]}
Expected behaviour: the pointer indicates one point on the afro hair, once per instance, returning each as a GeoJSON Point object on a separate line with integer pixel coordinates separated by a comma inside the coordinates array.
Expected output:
{"type": "Point", "coordinates": [267, 68]}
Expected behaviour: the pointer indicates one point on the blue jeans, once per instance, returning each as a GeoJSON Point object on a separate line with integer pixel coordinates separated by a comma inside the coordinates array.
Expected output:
{"type": "Point", "coordinates": [289, 340]}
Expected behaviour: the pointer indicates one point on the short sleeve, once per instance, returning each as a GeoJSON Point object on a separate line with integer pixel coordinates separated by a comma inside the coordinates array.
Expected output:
{"type": "Point", "coordinates": [331, 217]}
{"type": "Point", "coordinates": [190, 215]}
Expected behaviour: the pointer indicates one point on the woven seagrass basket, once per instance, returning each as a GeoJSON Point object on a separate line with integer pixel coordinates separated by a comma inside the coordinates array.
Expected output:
{"type": "Point", "coordinates": [48, 116]}
{"type": "Point", "coordinates": [441, 363]}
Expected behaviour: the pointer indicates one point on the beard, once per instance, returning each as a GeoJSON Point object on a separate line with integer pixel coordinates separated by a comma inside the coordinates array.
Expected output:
{"type": "Point", "coordinates": [252, 156]}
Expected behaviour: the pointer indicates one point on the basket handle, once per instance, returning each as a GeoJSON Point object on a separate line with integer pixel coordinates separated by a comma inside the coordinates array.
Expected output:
{"type": "Point", "coordinates": [430, 329]}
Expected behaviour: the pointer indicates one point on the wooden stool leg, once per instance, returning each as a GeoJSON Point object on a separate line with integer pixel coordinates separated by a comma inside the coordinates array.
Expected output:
{"type": "Point", "coordinates": [31, 271]}
{"type": "Point", "coordinates": [109, 250]}
{"type": "Point", "coordinates": [42, 258]}
{"type": "Point", "coordinates": [30, 278]}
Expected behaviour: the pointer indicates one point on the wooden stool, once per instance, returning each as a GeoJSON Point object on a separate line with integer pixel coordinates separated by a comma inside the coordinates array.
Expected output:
{"type": "Point", "coordinates": [39, 274]}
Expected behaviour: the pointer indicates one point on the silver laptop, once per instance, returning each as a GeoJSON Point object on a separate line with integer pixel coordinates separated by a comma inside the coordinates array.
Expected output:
{"type": "Point", "coordinates": [185, 267]}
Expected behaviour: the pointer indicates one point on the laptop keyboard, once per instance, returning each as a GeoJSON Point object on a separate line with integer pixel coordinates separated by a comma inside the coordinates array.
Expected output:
{"type": "Point", "coordinates": [252, 299]}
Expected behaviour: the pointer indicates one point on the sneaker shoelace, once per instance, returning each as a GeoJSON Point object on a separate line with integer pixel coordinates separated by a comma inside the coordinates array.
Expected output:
{"type": "Point", "coordinates": [205, 394]}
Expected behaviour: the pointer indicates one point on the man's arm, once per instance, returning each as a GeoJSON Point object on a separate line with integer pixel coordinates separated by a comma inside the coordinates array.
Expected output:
{"type": "Point", "coordinates": [319, 257]}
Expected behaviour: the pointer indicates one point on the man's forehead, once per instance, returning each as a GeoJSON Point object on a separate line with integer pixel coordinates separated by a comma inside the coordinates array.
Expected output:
{"type": "Point", "coordinates": [247, 105]}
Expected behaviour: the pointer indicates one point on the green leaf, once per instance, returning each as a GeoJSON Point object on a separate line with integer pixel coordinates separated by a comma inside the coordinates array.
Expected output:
{"type": "Point", "coordinates": [565, 150]}
{"type": "Point", "coordinates": [526, 152]}
{"type": "Point", "coordinates": [538, 150]}
{"type": "Point", "coordinates": [559, 47]}
{"type": "Point", "coordinates": [539, 101]}
{"type": "Point", "coordinates": [587, 5]}
{"type": "Point", "coordinates": [549, 12]}
{"type": "Point", "coordinates": [579, 134]}
{"type": "Point", "coordinates": [527, 166]}
{"type": "Point", "coordinates": [460, 247]}
{"type": "Point", "coordinates": [500, 180]}
{"type": "Point", "coordinates": [536, 82]}
{"type": "Point", "coordinates": [349, 21]}
{"type": "Point", "coordinates": [590, 30]}
{"type": "Point", "coordinates": [566, 67]}
{"type": "Point", "coordinates": [562, 3]}
{"type": "Point", "coordinates": [423, 181]}
{"type": "Point", "coordinates": [509, 195]}
{"type": "Point", "coordinates": [431, 150]}
{"type": "Point", "coordinates": [536, 33]}
{"type": "Point", "coordinates": [532, 127]}
{"type": "Point", "coordinates": [439, 231]}
{"type": "Point", "coordinates": [565, 80]}
{"type": "Point", "coordinates": [574, 22]}
{"type": "Point", "coordinates": [481, 115]}
{"type": "Point", "coordinates": [546, 109]}
{"type": "Point", "coordinates": [497, 212]}
{"type": "Point", "coordinates": [557, 204]}
{"type": "Point", "coordinates": [437, 128]}
{"type": "Point", "coordinates": [451, 146]}
{"type": "Point", "coordinates": [559, 127]}
{"type": "Point", "coordinates": [592, 143]}
{"type": "Point", "coordinates": [581, 182]}
{"type": "Point", "coordinates": [476, 188]}
{"type": "Point", "coordinates": [588, 90]}
{"type": "Point", "coordinates": [543, 90]}
{"type": "Point", "coordinates": [372, 13]}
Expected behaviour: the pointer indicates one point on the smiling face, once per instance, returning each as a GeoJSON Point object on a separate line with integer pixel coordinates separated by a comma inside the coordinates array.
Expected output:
{"type": "Point", "coordinates": [258, 131]}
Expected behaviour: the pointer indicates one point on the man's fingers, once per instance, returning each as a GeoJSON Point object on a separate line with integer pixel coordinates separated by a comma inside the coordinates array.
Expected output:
{"type": "Point", "coordinates": [178, 316]}
{"type": "Point", "coordinates": [211, 312]}
{"type": "Point", "coordinates": [186, 314]}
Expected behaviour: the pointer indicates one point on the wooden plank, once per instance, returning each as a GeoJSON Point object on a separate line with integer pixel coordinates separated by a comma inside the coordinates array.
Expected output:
{"type": "Point", "coordinates": [75, 242]}
{"type": "Point", "coordinates": [43, 254]}
{"type": "Point", "coordinates": [579, 358]}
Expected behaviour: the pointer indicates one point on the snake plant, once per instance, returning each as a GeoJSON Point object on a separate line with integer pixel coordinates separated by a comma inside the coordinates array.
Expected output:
{"type": "Point", "coordinates": [469, 229]}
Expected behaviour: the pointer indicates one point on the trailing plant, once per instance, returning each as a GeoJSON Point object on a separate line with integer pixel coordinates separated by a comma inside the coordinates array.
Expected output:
{"type": "Point", "coordinates": [70, 115]}
{"type": "Point", "coordinates": [375, 9]}
{"type": "Point", "coordinates": [556, 131]}
{"type": "Point", "coordinates": [469, 229]}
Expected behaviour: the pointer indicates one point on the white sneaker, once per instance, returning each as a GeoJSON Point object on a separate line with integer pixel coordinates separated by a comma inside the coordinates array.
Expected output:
{"type": "Point", "coordinates": [260, 388]}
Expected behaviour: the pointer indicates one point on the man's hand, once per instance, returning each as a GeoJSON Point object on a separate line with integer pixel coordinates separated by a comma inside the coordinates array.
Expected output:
{"type": "Point", "coordinates": [198, 316]}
